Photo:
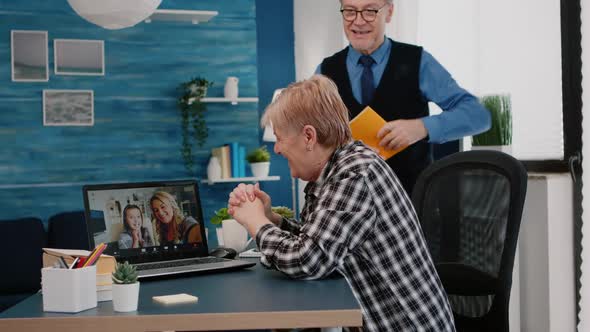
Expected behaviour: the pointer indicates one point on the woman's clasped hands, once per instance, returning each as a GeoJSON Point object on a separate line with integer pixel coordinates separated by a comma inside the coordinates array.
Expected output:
{"type": "Point", "coordinates": [251, 207]}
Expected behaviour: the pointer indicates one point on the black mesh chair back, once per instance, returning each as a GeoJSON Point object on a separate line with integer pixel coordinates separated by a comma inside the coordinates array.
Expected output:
{"type": "Point", "coordinates": [470, 205]}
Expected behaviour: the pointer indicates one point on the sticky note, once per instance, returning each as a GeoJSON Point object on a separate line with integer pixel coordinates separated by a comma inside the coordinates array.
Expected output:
{"type": "Point", "coordinates": [175, 299]}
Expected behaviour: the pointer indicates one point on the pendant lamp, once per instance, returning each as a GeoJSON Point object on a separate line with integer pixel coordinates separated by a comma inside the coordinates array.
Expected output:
{"type": "Point", "coordinates": [114, 14]}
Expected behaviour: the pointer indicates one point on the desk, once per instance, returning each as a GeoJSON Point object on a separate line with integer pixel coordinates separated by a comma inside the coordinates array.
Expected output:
{"type": "Point", "coordinates": [254, 298]}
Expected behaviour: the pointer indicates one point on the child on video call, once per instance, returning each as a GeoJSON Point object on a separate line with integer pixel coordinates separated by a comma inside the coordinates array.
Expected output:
{"type": "Point", "coordinates": [135, 235]}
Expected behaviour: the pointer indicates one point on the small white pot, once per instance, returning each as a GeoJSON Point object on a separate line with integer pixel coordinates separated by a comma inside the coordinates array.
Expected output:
{"type": "Point", "coordinates": [125, 297]}
{"type": "Point", "coordinates": [260, 170]}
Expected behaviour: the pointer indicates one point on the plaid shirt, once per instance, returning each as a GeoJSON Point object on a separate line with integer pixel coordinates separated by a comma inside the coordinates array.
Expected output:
{"type": "Point", "coordinates": [357, 220]}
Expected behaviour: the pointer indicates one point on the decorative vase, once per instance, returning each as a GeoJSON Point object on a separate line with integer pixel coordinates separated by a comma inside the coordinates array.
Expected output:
{"type": "Point", "coordinates": [235, 236]}
{"type": "Point", "coordinates": [230, 91]}
{"type": "Point", "coordinates": [260, 170]}
{"type": "Point", "coordinates": [214, 169]}
{"type": "Point", "coordinates": [125, 297]}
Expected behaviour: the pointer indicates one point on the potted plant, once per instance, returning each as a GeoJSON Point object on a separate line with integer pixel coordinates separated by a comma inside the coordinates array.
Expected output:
{"type": "Point", "coordinates": [125, 287]}
{"type": "Point", "coordinates": [259, 160]}
{"type": "Point", "coordinates": [283, 211]}
{"type": "Point", "coordinates": [499, 136]}
{"type": "Point", "coordinates": [218, 217]}
{"type": "Point", "coordinates": [192, 117]}
{"type": "Point", "coordinates": [231, 234]}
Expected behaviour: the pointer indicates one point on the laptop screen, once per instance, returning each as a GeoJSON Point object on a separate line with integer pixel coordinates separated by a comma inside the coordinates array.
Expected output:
{"type": "Point", "coordinates": [148, 218]}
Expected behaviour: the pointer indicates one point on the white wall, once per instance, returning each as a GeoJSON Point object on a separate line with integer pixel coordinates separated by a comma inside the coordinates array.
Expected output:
{"type": "Point", "coordinates": [490, 48]}
{"type": "Point", "coordinates": [318, 34]}
{"type": "Point", "coordinates": [585, 291]}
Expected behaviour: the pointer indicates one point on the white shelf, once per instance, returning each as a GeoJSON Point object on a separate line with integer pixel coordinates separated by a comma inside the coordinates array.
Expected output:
{"type": "Point", "coordinates": [193, 16]}
{"type": "Point", "coordinates": [246, 179]}
{"type": "Point", "coordinates": [227, 100]}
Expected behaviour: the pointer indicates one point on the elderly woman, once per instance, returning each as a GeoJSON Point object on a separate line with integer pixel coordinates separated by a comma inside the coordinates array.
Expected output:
{"type": "Point", "coordinates": [357, 218]}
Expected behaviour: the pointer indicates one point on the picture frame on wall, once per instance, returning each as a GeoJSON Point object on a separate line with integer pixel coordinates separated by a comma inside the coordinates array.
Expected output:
{"type": "Point", "coordinates": [29, 56]}
{"type": "Point", "coordinates": [78, 57]}
{"type": "Point", "coordinates": [68, 107]}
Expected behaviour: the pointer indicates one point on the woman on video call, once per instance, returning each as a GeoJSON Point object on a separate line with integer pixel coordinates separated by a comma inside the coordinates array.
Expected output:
{"type": "Point", "coordinates": [170, 226]}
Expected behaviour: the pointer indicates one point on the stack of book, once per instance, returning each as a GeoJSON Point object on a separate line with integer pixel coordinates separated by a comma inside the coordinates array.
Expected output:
{"type": "Point", "coordinates": [232, 159]}
{"type": "Point", "coordinates": [104, 287]}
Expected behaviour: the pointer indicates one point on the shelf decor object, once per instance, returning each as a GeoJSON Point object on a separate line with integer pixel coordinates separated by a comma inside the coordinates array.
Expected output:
{"type": "Point", "coordinates": [259, 160]}
{"type": "Point", "coordinates": [114, 14]}
{"type": "Point", "coordinates": [193, 16]}
{"type": "Point", "coordinates": [192, 116]}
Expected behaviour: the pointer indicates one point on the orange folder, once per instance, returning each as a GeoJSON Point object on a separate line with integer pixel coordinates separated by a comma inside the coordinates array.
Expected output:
{"type": "Point", "coordinates": [365, 127]}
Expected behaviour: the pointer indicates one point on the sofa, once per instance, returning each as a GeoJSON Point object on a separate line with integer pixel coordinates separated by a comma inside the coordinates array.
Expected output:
{"type": "Point", "coordinates": [21, 247]}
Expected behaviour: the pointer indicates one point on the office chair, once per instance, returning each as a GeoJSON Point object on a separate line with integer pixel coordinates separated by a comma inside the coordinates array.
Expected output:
{"type": "Point", "coordinates": [21, 243]}
{"type": "Point", "coordinates": [470, 205]}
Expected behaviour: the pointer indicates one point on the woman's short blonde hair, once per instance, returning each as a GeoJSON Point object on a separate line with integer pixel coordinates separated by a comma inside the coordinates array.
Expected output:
{"type": "Point", "coordinates": [313, 102]}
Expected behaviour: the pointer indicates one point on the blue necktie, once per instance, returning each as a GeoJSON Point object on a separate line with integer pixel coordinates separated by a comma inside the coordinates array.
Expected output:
{"type": "Point", "coordinates": [367, 87]}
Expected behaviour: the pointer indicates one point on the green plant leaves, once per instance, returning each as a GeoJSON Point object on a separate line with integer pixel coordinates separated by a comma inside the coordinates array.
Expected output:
{"type": "Point", "coordinates": [192, 119]}
{"type": "Point", "coordinates": [220, 215]}
{"type": "Point", "coordinates": [258, 155]}
{"type": "Point", "coordinates": [500, 133]}
{"type": "Point", "coordinates": [124, 273]}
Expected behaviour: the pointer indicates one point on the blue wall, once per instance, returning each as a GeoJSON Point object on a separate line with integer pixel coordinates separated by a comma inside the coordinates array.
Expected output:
{"type": "Point", "coordinates": [136, 133]}
{"type": "Point", "coordinates": [276, 69]}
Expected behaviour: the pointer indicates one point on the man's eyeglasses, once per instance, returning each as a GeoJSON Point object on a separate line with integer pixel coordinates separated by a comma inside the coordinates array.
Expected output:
{"type": "Point", "coordinates": [369, 15]}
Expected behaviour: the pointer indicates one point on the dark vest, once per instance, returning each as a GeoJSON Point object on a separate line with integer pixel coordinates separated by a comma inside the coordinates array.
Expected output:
{"type": "Point", "coordinates": [397, 96]}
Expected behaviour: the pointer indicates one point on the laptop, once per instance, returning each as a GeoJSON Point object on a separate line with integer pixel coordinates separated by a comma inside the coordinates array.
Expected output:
{"type": "Point", "coordinates": [157, 226]}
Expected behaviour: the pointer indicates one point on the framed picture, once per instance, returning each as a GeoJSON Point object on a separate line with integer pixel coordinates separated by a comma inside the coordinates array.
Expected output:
{"type": "Point", "coordinates": [78, 57]}
{"type": "Point", "coordinates": [29, 58]}
{"type": "Point", "coordinates": [68, 107]}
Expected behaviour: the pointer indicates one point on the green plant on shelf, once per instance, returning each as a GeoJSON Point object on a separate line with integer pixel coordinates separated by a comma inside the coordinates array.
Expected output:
{"type": "Point", "coordinates": [192, 118]}
{"type": "Point", "coordinates": [500, 133]}
{"type": "Point", "coordinates": [258, 155]}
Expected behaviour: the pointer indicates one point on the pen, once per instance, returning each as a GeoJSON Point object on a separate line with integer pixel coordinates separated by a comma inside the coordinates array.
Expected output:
{"type": "Point", "coordinates": [62, 262]}
{"type": "Point", "coordinates": [73, 266]}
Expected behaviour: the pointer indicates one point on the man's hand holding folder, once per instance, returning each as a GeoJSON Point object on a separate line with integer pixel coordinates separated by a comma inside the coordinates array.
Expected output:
{"type": "Point", "coordinates": [365, 127]}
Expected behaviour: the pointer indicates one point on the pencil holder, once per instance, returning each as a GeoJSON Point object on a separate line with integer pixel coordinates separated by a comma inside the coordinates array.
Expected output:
{"type": "Point", "coordinates": [68, 290]}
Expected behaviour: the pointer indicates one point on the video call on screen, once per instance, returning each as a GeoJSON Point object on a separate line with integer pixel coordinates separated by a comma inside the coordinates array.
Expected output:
{"type": "Point", "coordinates": [145, 218]}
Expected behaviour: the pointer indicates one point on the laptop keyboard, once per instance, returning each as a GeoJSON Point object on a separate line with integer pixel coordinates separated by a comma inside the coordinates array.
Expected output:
{"type": "Point", "coordinates": [184, 262]}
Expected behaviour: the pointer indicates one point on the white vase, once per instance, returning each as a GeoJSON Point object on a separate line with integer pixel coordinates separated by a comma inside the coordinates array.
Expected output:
{"type": "Point", "coordinates": [214, 169]}
{"type": "Point", "coordinates": [125, 297]}
{"type": "Point", "coordinates": [230, 91]}
{"type": "Point", "coordinates": [260, 170]}
{"type": "Point", "coordinates": [235, 236]}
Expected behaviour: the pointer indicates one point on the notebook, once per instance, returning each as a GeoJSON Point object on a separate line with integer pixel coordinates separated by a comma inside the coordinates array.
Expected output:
{"type": "Point", "coordinates": [157, 226]}
{"type": "Point", "coordinates": [365, 127]}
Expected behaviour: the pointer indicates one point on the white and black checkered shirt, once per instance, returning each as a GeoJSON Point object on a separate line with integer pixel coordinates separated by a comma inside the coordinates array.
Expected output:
{"type": "Point", "coordinates": [357, 220]}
